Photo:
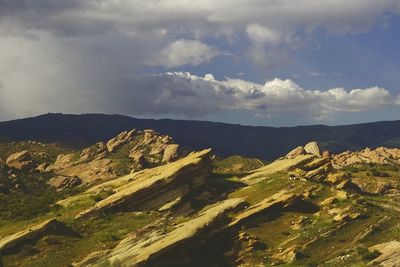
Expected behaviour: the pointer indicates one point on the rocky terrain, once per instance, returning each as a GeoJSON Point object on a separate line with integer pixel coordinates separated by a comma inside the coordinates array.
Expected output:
{"type": "Point", "coordinates": [140, 199]}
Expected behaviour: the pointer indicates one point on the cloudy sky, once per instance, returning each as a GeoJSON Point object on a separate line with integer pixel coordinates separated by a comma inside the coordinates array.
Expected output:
{"type": "Point", "coordinates": [257, 62]}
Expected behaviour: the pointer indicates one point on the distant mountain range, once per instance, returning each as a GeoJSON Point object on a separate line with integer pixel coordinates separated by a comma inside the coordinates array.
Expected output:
{"type": "Point", "coordinates": [226, 139]}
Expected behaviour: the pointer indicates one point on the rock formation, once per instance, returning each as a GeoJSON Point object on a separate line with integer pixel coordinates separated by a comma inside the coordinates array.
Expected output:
{"type": "Point", "coordinates": [152, 188]}
{"type": "Point", "coordinates": [107, 161]}
{"type": "Point", "coordinates": [120, 140]}
{"type": "Point", "coordinates": [133, 252]}
{"type": "Point", "coordinates": [381, 155]}
{"type": "Point", "coordinates": [12, 241]}
{"type": "Point", "coordinates": [390, 254]}
{"type": "Point", "coordinates": [20, 160]}
{"type": "Point", "coordinates": [310, 148]}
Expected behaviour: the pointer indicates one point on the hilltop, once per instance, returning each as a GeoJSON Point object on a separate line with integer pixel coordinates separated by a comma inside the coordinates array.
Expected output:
{"type": "Point", "coordinates": [266, 143]}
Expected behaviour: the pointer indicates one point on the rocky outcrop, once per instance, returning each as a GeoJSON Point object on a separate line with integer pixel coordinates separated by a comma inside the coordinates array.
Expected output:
{"type": "Point", "coordinates": [132, 251]}
{"type": "Point", "coordinates": [20, 160]}
{"type": "Point", "coordinates": [97, 151]}
{"type": "Point", "coordinates": [129, 151]}
{"type": "Point", "coordinates": [310, 148]}
{"type": "Point", "coordinates": [390, 254]}
{"type": "Point", "coordinates": [63, 161]}
{"type": "Point", "coordinates": [279, 165]}
{"type": "Point", "coordinates": [153, 188]}
{"type": "Point", "coordinates": [282, 199]}
{"type": "Point", "coordinates": [32, 233]}
{"type": "Point", "coordinates": [64, 182]}
{"type": "Point", "coordinates": [150, 148]}
{"type": "Point", "coordinates": [88, 172]}
{"type": "Point", "coordinates": [381, 155]}
{"type": "Point", "coordinates": [376, 185]}
{"type": "Point", "coordinates": [120, 140]}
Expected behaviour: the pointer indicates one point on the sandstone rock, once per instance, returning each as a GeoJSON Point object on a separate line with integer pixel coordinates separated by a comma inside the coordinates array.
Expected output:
{"type": "Point", "coordinates": [390, 254]}
{"type": "Point", "coordinates": [20, 160]}
{"type": "Point", "coordinates": [171, 180]}
{"type": "Point", "coordinates": [283, 198]}
{"type": "Point", "coordinates": [295, 152]}
{"type": "Point", "coordinates": [136, 156]}
{"type": "Point", "coordinates": [170, 153]}
{"type": "Point", "coordinates": [312, 148]}
{"type": "Point", "coordinates": [42, 167]}
{"type": "Point", "coordinates": [97, 151]}
{"type": "Point", "coordinates": [120, 140]}
{"type": "Point", "coordinates": [144, 251]}
{"type": "Point", "coordinates": [17, 239]}
{"type": "Point", "coordinates": [375, 185]}
{"type": "Point", "coordinates": [326, 154]}
{"type": "Point", "coordinates": [380, 155]}
{"type": "Point", "coordinates": [63, 182]}
{"type": "Point", "coordinates": [63, 161]}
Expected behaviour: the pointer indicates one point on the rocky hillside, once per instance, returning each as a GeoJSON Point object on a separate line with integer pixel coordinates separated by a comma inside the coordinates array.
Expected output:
{"type": "Point", "coordinates": [156, 205]}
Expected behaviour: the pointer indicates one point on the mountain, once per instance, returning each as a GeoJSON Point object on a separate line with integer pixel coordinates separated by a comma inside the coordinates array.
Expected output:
{"type": "Point", "coordinates": [226, 139]}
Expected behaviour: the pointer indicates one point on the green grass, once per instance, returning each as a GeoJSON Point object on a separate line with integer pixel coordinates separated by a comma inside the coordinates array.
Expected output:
{"type": "Point", "coordinates": [236, 165]}
{"type": "Point", "coordinates": [272, 184]}
{"type": "Point", "coordinates": [51, 150]}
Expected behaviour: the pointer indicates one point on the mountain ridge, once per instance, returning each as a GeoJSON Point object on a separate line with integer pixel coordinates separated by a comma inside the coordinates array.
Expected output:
{"type": "Point", "coordinates": [227, 139]}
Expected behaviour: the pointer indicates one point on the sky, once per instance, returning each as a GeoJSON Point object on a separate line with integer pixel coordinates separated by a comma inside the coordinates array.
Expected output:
{"type": "Point", "coordinates": [252, 62]}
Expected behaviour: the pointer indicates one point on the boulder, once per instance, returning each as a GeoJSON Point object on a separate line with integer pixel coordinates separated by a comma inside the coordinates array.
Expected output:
{"type": "Point", "coordinates": [295, 152]}
{"type": "Point", "coordinates": [20, 160]}
{"type": "Point", "coordinates": [326, 154]}
{"type": "Point", "coordinates": [313, 149]}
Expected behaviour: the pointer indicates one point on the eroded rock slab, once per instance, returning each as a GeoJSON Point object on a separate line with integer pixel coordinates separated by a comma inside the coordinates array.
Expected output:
{"type": "Point", "coordinates": [390, 254]}
{"type": "Point", "coordinates": [283, 198]}
{"type": "Point", "coordinates": [380, 155]}
{"type": "Point", "coordinates": [15, 240]}
{"type": "Point", "coordinates": [157, 186]}
{"type": "Point", "coordinates": [132, 252]}
{"type": "Point", "coordinates": [20, 160]}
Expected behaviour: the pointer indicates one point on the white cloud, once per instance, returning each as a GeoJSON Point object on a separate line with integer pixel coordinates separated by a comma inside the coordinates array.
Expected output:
{"type": "Point", "coordinates": [203, 95]}
{"type": "Point", "coordinates": [261, 35]}
{"type": "Point", "coordinates": [183, 52]}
